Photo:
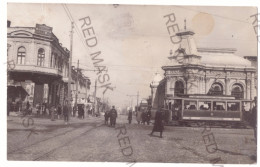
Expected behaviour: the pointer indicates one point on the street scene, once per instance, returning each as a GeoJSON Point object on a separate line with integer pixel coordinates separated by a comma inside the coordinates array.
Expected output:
{"type": "Point", "coordinates": [132, 83]}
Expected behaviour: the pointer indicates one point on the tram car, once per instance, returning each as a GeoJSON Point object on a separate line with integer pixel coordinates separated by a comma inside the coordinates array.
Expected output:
{"type": "Point", "coordinates": [208, 108]}
{"type": "Point", "coordinates": [143, 106]}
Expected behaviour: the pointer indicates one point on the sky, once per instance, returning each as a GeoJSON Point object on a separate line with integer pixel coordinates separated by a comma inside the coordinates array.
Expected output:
{"type": "Point", "coordinates": [133, 39]}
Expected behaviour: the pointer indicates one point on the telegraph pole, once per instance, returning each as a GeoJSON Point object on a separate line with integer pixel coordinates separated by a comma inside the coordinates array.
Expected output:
{"type": "Point", "coordinates": [137, 99]}
{"type": "Point", "coordinates": [95, 95]}
{"type": "Point", "coordinates": [70, 63]}
{"type": "Point", "coordinates": [77, 82]}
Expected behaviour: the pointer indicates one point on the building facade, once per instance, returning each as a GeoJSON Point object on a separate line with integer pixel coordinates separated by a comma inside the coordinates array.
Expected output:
{"type": "Point", "coordinates": [40, 65]}
{"type": "Point", "coordinates": [83, 83]}
{"type": "Point", "coordinates": [203, 71]}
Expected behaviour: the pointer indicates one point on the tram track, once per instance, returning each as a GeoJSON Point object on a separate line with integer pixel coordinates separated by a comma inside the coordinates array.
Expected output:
{"type": "Point", "coordinates": [41, 141]}
{"type": "Point", "coordinates": [66, 143]}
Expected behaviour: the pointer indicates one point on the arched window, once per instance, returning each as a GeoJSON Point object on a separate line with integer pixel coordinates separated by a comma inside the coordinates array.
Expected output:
{"type": "Point", "coordinates": [216, 89]}
{"type": "Point", "coordinates": [41, 57]}
{"type": "Point", "coordinates": [237, 91]}
{"type": "Point", "coordinates": [21, 52]}
{"type": "Point", "coordinates": [178, 88]}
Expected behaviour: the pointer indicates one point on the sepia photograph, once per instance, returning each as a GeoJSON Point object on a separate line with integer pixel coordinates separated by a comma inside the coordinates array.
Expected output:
{"type": "Point", "coordinates": [132, 83]}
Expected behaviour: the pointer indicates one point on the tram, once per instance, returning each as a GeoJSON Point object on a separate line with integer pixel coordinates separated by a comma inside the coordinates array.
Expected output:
{"type": "Point", "coordinates": [142, 107]}
{"type": "Point", "coordinates": [208, 108]}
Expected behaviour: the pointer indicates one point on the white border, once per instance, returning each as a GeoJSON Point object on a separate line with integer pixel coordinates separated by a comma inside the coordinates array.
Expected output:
{"type": "Point", "coordinates": [3, 30]}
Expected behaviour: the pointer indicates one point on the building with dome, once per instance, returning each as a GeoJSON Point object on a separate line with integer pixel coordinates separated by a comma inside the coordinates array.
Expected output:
{"type": "Point", "coordinates": [203, 71]}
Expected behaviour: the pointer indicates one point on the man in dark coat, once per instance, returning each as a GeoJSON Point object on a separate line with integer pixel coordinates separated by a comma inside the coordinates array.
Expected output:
{"type": "Point", "coordinates": [113, 116]}
{"type": "Point", "coordinates": [130, 113]}
{"type": "Point", "coordinates": [149, 114]}
{"type": "Point", "coordinates": [158, 124]}
{"type": "Point", "coordinates": [66, 112]}
{"type": "Point", "coordinates": [106, 115]}
{"type": "Point", "coordinates": [59, 110]}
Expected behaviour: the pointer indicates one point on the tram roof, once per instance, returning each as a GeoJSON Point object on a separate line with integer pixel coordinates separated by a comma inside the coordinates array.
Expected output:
{"type": "Point", "coordinates": [203, 96]}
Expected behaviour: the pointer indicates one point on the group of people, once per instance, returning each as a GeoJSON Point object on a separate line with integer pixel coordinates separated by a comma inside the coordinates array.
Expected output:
{"type": "Point", "coordinates": [144, 116]}
{"type": "Point", "coordinates": [57, 110]}
{"type": "Point", "coordinates": [111, 117]}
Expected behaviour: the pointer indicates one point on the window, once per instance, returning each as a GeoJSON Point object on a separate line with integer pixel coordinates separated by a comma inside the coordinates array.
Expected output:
{"type": "Point", "coordinates": [204, 105]}
{"type": "Point", "coordinates": [179, 88]}
{"type": "Point", "coordinates": [52, 59]}
{"type": "Point", "coordinates": [21, 52]}
{"type": "Point", "coordinates": [219, 106]}
{"type": "Point", "coordinates": [55, 60]}
{"type": "Point", "coordinates": [190, 105]}
{"type": "Point", "coordinates": [41, 56]}
{"type": "Point", "coordinates": [216, 89]}
{"type": "Point", "coordinates": [237, 91]}
{"type": "Point", "coordinates": [233, 106]}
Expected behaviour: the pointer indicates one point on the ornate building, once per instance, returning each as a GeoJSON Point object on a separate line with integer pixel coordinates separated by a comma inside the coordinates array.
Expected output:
{"type": "Point", "coordinates": [203, 71]}
{"type": "Point", "coordinates": [40, 65]}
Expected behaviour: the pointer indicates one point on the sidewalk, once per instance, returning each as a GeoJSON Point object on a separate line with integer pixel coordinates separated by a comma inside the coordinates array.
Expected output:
{"type": "Point", "coordinates": [18, 121]}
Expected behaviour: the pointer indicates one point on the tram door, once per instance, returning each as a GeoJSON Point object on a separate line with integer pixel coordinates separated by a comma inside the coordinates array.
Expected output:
{"type": "Point", "coordinates": [177, 109]}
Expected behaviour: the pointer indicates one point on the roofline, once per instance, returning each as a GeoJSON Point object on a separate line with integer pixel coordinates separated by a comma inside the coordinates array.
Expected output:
{"type": "Point", "coordinates": [217, 50]}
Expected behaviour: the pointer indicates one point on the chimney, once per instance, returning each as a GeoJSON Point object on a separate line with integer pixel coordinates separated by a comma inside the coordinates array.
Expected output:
{"type": "Point", "coordinates": [8, 23]}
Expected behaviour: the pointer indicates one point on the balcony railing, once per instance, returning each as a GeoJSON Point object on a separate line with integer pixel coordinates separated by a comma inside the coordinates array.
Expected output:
{"type": "Point", "coordinates": [35, 68]}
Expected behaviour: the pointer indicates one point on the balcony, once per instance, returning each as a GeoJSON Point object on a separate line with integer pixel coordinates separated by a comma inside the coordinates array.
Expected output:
{"type": "Point", "coordinates": [37, 69]}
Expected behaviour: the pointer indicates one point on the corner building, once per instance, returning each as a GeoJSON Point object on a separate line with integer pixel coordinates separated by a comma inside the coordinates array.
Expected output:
{"type": "Point", "coordinates": [41, 65]}
{"type": "Point", "coordinates": [203, 71]}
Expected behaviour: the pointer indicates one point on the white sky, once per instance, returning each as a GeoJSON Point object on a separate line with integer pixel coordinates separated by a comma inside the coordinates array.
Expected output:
{"type": "Point", "coordinates": [134, 40]}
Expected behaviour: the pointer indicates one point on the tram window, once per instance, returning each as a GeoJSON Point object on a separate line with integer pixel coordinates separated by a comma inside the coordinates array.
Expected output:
{"type": "Point", "coordinates": [219, 106]}
{"type": "Point", "coordinates": [190, 105]}
{"type": "Point", "coordinates": [204, 105]}
{"type": "Point", "coordinates": [233, 106]}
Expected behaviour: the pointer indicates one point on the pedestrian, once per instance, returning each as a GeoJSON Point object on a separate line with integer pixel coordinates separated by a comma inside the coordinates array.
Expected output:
{"type": "Point", "coordinates": [38, 107]}
{"type": "Point", "coordinates": [143, 117]}
{"type": "Point", "coordinates": [166, 116]}
{"type": "Point", "coordinates": [138, 116]}
{"type": "Point", "coordinates": [149, 115]}
{"type": "Point", "coordinates": [106, 115]}
{"type": "Point", "coordinates": [53, 112]}
{"type": "Point", "coordinates": [66, 112]}
{"type": "Point", "coordinates": [254, 118]}
{"type": "Point", "coordinates": [83, 112]}
{"type": "Point", "coordinates": [74, 110]}
{"type": "Point", "coordinates": [113, 116]}
{"type": "Point", "coordinates": [59, 111]}
{"type": "Point", "coordinates": [158, 124]}
{"type": "Point", "coordinates": [130, 113]}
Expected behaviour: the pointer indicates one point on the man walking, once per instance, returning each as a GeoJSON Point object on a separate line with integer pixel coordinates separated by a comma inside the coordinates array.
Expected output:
{"type": "Point", "coordinates": [106, 117]}
{"type": "Point", "coordinates": [59, 111]}
{"type": "Point", "coordinates": [130, 116]}
{"type": "Point", "coordinates": [113, 116]}
{"type": "Point", "coordinates": [158, 124]}
{"type": "Point", "coordinates": [66, 112]}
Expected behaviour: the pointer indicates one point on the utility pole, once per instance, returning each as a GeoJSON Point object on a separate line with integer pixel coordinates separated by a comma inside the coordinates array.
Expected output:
{"type": "Point", "coordinates": [95, 95]}
{"type": "Point", "coordinates": [137, 98]}
{"type": "Point", "coordinates": [77, 82]}
{"type": "Point", "coordinates": [70, 63]}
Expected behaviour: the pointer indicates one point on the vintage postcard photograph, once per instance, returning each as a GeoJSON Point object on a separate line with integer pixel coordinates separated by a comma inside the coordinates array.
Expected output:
{"type": "Point", "coordinates": [132, 83]}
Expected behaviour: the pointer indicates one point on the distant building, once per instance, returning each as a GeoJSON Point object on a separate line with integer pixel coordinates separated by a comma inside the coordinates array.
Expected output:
{"type": "Point", "coordinates": [203, 71]}
{"type": "Point", "coordinates": [83, 87]}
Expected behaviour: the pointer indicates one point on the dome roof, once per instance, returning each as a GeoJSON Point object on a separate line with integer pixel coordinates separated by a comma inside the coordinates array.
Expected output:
{"type": "Point", "coordinates": [222, 57]}
{"type": "Point", "coordinates": [156, 80]}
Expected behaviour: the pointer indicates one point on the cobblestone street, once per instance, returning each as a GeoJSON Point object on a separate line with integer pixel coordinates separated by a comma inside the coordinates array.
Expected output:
{"type": "Point", "coordinates": [91, 140]}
